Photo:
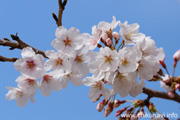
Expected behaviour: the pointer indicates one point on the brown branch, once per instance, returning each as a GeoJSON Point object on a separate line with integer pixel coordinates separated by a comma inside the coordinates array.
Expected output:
{"type": "Point", "coordinates": [154, 93]}
{"type": "Point", "coordinates": [60, 13]}
{"type": "Point", "coordinates": [19, 44]}
{"type": "Point", "coordinates": [4, 59]}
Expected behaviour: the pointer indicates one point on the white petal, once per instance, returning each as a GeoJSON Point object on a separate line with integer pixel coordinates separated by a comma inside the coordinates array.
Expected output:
{"type": "Point", "coordinates": [64, 83]}
{"type": "Point", "coordinates": [94, 93]}
{"type": "Point", "coordinates": [88, 81]}
{"type": "Point", "coordinates": [76, 80]}
{"type": "Point", "coordinates": [45, 89]}
{"type": "Point", "coordinates": [27, 52]}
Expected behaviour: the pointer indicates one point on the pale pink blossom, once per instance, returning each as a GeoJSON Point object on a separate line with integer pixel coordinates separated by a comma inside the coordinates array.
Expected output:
{"type": "Point", "coordinates": [31, 64]}
{"type": "Point", "coordinates": [97, 86]}
{"type": "Point", "coordinates": [176, 56]}
{"type": "Point", "coordinates": [130, 33]}
{"type": "Point", "coordinates": [67, 40]}
{"type": "Point", "coordinates": [20, 97]}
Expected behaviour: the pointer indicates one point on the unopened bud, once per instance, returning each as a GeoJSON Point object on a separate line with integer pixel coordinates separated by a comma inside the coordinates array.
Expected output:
{"type": "Point", "coordinates": [166, 79]}
{"type": "Point", "coordinates": [119, 112]}
{"type": "Point", "coordinates": [160, 72]}
{"type": "Point", "coordinates": [117, 103]}
{"type": "Point", "coordinates": [151, 108]}
{"type": "Point", "coordinates": [177, 86]}
{"type": "Point", "coordinates": [108, 109]}
{"type": "Point", "coordinates": [176, 56]}
{"type": "Point", "coordinates": [162, 64]}
{"type": "Point", "coordinates": [109, 42]}
{"type": "Point", "coordinates": [166, 118]}
{"type": "Point", "coordinates": [104, 37]}
{"type": "Point", "coordinates": [100, 107]}
{"type": "Point", "coordinates": [116, 36]}
{"type": "Point", "coordinates": [171, 94]}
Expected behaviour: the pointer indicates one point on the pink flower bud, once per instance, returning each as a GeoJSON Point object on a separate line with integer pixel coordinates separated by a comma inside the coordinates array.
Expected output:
{"type": "Point", "coordinates": [176, 56]}
{"type": "Point", "coordinates": [116, 35]}
{"type": "Point", "coordinates": [166, 79]}
{"type": "Point", "coordinates": [104, 37]}
{"type": "Point", "coordinates": [100, 107]}
{"type": "Point", "coordinates": [117, 103]}
{"type": "Point", "coordinates": [177, 86]}
{"type": "Point", "coordinates": [119, 112]}
{"type": "Point", "coordinates": [171, 94]}
{"type": "Point", "coordinates": [140, 114]}
{"type": "Point", "coordinates": [108, 109]}
{"type": "Point", "coordinates": [109, 42]}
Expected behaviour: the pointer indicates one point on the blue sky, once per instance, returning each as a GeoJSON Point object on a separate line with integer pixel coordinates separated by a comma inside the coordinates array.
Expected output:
{"type": "Point", "coordinates": [35, 25]}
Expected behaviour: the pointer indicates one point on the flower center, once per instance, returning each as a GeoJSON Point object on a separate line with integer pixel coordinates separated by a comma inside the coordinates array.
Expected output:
{"type": "Point", "coordinates": [58, 61]}
{"type": "Point", "coordinates": [124, 62]}
{"type": "Point", "coordinates": [30, 64]}
{"type": "Point", "coordinates": [67, 42]}
{"type": "Point", "coordinates": [30, 82]}
{"type": "Point", "coordinates": [128, 36]}
{"type": "Point", "coordinates": [79, 59]}
{"type": "Point", "coordinates": [108, 59]}
{"type": "Point", "coordinates": [19, 94]}
{"type": "Point", "coordinates": [47, 78]}
{"type": "Point", "coordinates": [97, 86]}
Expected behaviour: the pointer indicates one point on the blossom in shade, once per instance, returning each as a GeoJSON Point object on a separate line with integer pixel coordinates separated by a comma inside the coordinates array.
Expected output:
{"type": "Point", "coordinates": [97, 86]}
{"type": "Point", "coordinates": [66, 77]}
{"type": "Point", "coordinates": [20, 97]}
{"type": "Point", "coordinates": [122, 83]}
{"type": "Point", "coordinates": [137, 88]}
{"type": "Point", "coordinates": [31, 64]}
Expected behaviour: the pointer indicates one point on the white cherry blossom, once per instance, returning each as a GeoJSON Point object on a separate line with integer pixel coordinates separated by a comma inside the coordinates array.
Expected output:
{"type": "Point", "coordinates": [49, 82]}
{"type": "Point", "coordinates": [31, 64]}
{"type": "Point", "coordinates": [79, 60]}
{"type": "Point", "coordinates": [57, 61]}
{"type": "Point", "coordinates": [107, 60]}
{"type": "Point", "coordinates": [130, 33]}
{"type": "Point", "coordinates": [27, 84]}
{"type": "Point", "coordinates": [67, 40]}
{"type": "Point", "coordinates": [105, 26]}
{"type": "Point", "coordinates": [137, 88]}
{"type": "Point", "coordinates": [20, 97]}
{"type": "Point", "coordinates": [122, 83]}
{"type": "Point", "coordinates": [128, 59]}
{"type": "Point", "coordinates": [92, 41]}
{"type": "Point", "coordinates": [97, 86]}
{"type": "Point", "coordinates": [66, 77]}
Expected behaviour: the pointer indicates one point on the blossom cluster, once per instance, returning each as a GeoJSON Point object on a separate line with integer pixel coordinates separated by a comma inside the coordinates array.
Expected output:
{"type": "Point", "coordinates": [122, 60]}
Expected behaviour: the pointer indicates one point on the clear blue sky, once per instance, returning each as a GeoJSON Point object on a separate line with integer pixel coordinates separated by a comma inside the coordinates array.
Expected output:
{"type": "Point", "coordinates": [33, 21]}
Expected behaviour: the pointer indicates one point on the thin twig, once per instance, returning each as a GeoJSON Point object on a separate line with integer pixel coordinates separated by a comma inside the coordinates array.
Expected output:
{"type": "Point", "coordinates": [5, 59]}
{"type": "Point", "coordinates": [154, 93]}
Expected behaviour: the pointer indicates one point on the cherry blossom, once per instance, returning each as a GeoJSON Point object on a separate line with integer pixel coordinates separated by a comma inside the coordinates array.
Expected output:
{"type": "Point", "coordinates": [49, 82]}
{"type": "Point", "coordinates": [107, 59]}
{"type": "Point", "coordinates": [20, 97]}
{"type": "Point", "coordinates": [128, 59]}
{"type": "Point", "coordinates": [67, 40]}
{"type": "Point", "coordinates": [31, 64]}
{"type": "Point", "coordinates": [57, 61]}
{"type": "Point", "coordinates": [27, 84]}
{"type": "Point", "coordinates": [130, 33]}
{"type": "Point", "coordinates": [97, 86]}
{"type": "Point", "coordinates": [108, 27]}
{"type": "Point", "coordinates": [66, 77]}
